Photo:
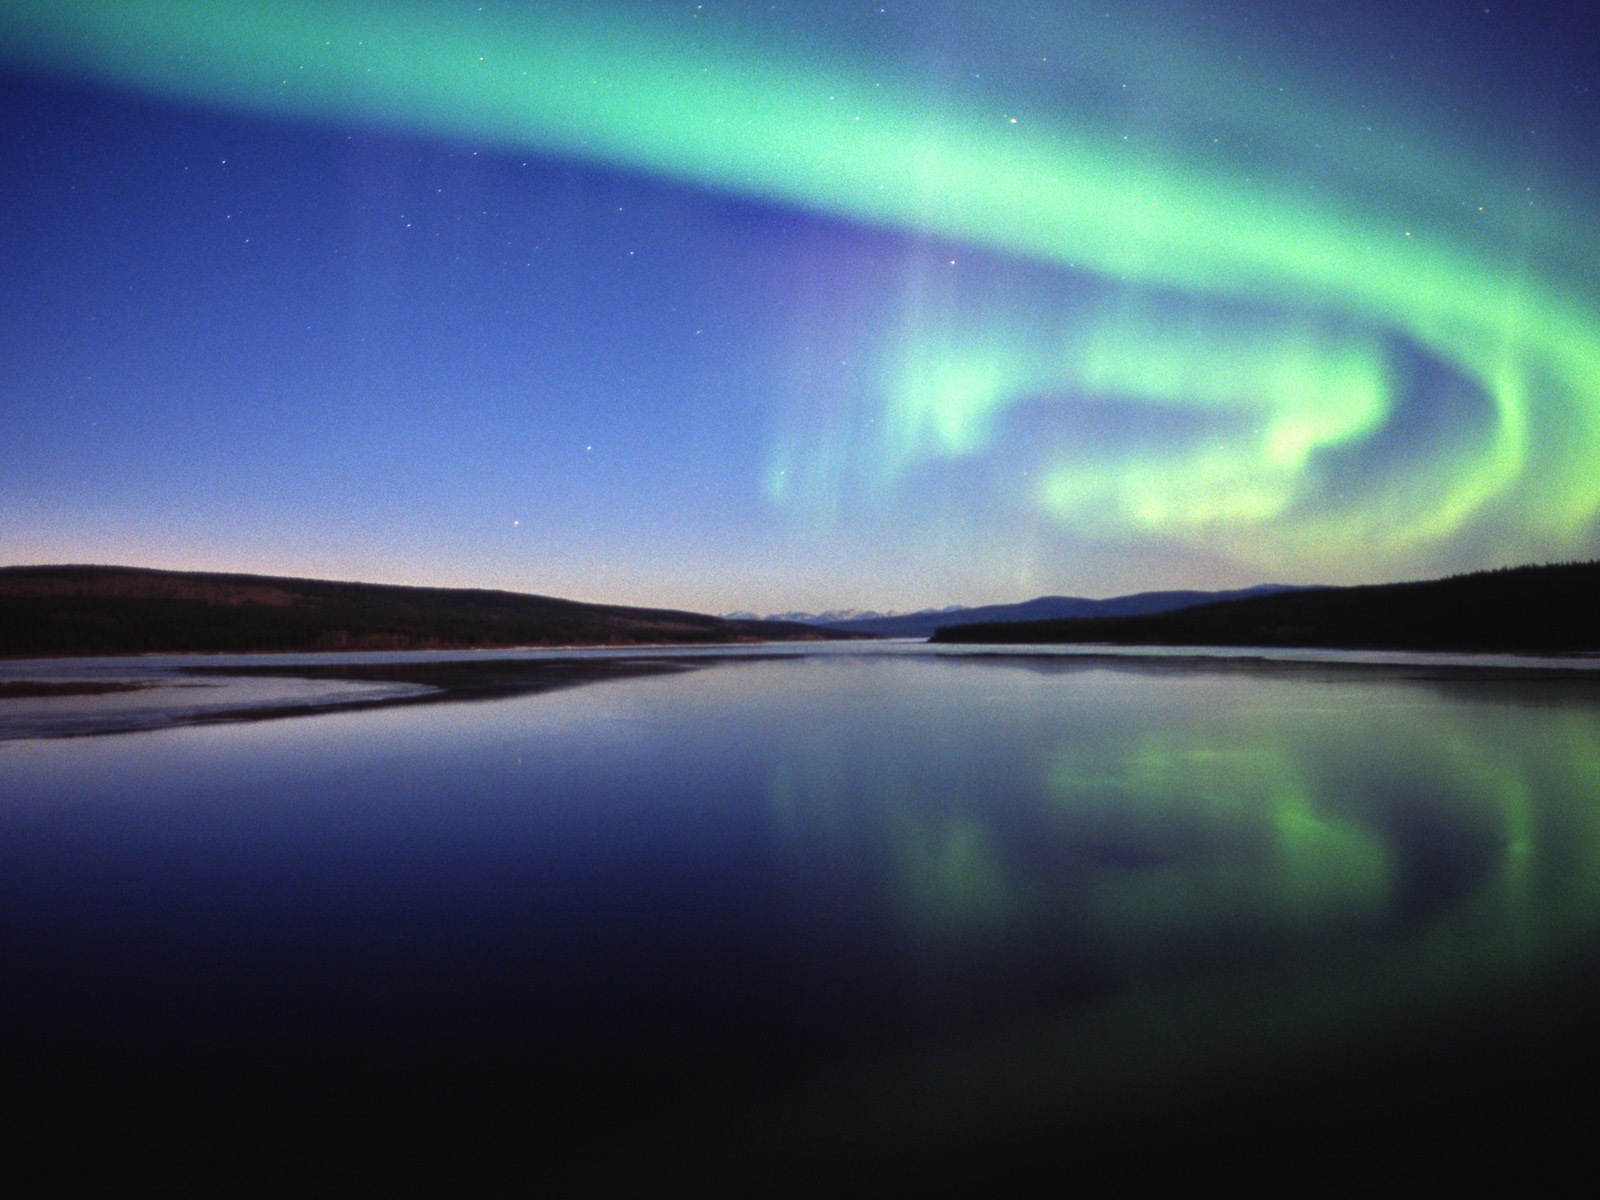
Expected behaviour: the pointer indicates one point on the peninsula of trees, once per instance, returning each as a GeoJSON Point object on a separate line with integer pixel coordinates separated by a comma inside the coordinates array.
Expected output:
{"type": "Point", "coordinates": [87, 610]}
{"type": "Point", "coordinates": [1535, 609]}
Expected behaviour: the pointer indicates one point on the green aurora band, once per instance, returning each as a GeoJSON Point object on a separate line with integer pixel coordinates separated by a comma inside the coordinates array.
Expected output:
{"type": "Point", "coordinates": [1337, 279]}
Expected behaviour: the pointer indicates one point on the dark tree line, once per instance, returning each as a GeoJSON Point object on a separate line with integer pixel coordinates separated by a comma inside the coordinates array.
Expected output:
{"type": "Point", "coordinates": [1531, 609]}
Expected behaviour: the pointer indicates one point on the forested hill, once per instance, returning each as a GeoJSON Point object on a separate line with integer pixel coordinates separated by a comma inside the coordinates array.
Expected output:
{"type": "Point", "coordinates": [128, 610]}
{"type": "Point", "coordinates": [1524, 609]}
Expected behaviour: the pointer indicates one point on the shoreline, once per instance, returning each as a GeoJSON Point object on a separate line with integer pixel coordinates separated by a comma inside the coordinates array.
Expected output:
{"type": "Point", "coordinates": [48, 707]}
{"type": "Point", "coordinates": [451, 681]}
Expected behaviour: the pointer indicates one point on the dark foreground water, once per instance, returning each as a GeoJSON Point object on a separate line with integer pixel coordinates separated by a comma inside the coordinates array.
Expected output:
{"type": "Point", "coordinates": [833, 918]}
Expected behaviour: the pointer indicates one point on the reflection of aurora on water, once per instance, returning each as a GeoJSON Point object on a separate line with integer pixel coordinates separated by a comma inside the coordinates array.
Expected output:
{"type": "Point", "coordinates": [1213, 874]}
{"type": "Point", "coordinates": [847, 909]}
{"type": "Point", "coordinates": [1358, 343]}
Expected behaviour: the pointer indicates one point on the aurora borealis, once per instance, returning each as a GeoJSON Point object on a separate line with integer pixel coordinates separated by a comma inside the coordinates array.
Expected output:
{"type": "Point", "coordinates": [807, 305]}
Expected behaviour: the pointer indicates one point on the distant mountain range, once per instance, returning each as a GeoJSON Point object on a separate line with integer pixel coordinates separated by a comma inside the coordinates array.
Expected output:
{"type": "Point", "coordinates": [128, 610]}
{"type": "Point", "coordinates": [921, 624]}
{"type": "Point", "coordinates": [1552, 608]}
{"type": "Point", "coordinates": [833, 616]}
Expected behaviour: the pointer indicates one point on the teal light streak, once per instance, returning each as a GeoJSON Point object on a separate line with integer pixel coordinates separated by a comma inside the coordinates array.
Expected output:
{"type": "Point", "coordinates": [703, 106]}
{"type": "Point", "coordinates": [1304, 390]}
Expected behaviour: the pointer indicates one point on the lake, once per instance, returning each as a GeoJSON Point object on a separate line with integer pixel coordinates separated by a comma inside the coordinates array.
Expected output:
{"type": "Point", "coordinates": [821, 912]}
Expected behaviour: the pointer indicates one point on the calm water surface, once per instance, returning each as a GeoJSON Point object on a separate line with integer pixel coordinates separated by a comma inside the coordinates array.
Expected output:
{"type": "Point", "coordinates": [814, 911]}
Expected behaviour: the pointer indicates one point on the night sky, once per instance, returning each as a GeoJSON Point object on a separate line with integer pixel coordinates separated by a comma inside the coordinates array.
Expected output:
{"type": "Point", "coordinates": [800, 305]}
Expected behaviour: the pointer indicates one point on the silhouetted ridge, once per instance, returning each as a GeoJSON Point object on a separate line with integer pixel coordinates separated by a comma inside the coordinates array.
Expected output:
{"type": "Point", "coordinates": [1042, 608]}
{"type": "Point", "coordinates": [131, 610]}
{"type": "Point", "coordinates": [1550, 608]}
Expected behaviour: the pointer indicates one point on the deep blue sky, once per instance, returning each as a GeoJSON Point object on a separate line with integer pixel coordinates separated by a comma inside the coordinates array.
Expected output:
{"type": "Point", "coordinates": [800, 306]}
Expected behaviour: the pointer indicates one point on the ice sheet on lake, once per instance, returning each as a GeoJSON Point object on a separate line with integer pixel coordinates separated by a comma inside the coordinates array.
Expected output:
{"type": "Point", "coordinates": [166, 697]}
